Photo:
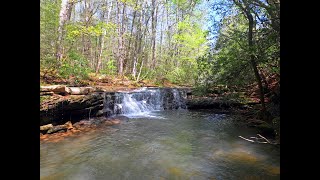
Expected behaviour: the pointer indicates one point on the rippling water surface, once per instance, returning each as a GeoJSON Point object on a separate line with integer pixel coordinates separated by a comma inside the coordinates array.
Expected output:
{"type": "Point", "coordinates": [178, 144]}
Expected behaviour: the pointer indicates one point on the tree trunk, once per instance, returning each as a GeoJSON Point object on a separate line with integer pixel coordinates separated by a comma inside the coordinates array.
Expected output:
{"type": "Point", "coordinates": [101, 45]}
{"type": "Point", "coordinates": [58, 89]}
{"type": "Point", "coordinates": [154, 26]}
{"type": "Point", "coordinates": [101, 51]}
{"type": "Point", "coordinates": [161, 35]}
{"type": "Point", "coordinates": [252, 60]}
{"type": "Point", "coordinates": [246, 9]}
{"type": "Point", "coordinates": [64, 16]}
{"type": "Point", "coordinates": [137, 46]}
{"type": "Point", "coordinates": [140, 70]}
{"type": "Point", "coordinates": [130, 39]}
{"type": "Point", "coordinates": [120, 40]}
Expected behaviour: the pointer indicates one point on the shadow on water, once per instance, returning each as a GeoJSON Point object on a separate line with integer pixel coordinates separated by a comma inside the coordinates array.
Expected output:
{"type": "Point", "coordinates": [162, 145]}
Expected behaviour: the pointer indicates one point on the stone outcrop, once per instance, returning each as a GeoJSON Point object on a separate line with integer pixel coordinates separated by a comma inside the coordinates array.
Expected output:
{"type": "Point", "coordinates": [211, 103]}
{"type": "Point", "coordinates": [73, 108]}
{"type": "Point", "coordinates": [97, 104]}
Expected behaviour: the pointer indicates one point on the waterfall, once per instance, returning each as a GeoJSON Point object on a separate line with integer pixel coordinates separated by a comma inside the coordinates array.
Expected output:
{"type": "Point", "coordinates": [143, 101]}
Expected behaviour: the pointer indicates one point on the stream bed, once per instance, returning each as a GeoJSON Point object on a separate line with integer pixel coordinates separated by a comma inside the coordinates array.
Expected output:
{"type": "Point", "coordinates": [163, 144]}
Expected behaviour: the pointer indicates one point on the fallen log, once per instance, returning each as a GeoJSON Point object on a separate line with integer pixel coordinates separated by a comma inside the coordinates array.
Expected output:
{"type": "Point", "coordinates": [58, 89]}
{"type": "Point", "coordinates": [50, 93]}
{"type": "Point", "coordinates": [264, 138]}
{"type": "Point", "coordinates": [46, 127]}
{"type": "Point", "coordinates": [64, 127]}
{"type": "Point", "coordinates": [258, 140]}
{"type": "Point", "coordinates": [247, 139]}
{"type": "Point", "coordinates": [80, 90]}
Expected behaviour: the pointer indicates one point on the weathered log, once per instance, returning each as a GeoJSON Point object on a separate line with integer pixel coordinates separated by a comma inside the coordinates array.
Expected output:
{"type": "Point", "coordinates": [50, 93]}
{"type": "Point", "coordinates": [264, 138]}
{"type": "Point", "coordinates": [246, 139]}
{"type": "Point", "coordinates": [58, 89]}
{"type": "Point", "coordinates": [258, 140]}
{"type": "Point", "coordinates": [80, 90]}
{"type": "Point", "coordinates": [46, 127]}
{"type": "Point", "coordinates": [60, 128]}
{"type": "Point", "coordinates": [57, 128]}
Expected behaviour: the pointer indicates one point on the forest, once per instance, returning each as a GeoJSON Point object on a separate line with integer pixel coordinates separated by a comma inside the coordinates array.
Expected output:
{"type": "Point", "coordinates": [184, 88]}
{"type": "Point", "coordinates": [231, 43]}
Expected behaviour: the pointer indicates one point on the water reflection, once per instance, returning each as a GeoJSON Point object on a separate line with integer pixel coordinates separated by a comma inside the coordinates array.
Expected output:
{"type": "Point", "coordinates": [179, 145]}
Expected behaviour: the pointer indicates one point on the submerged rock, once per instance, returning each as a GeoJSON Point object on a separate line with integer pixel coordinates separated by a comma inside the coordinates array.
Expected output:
{"type": "Point", "coordinates": [112, 122]}
{"type": "Point", "coordinates": [262, 126]}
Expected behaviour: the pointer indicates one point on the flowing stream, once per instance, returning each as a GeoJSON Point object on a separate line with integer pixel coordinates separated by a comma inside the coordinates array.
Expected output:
{"type": "Point", "coordinates": [153, 143]}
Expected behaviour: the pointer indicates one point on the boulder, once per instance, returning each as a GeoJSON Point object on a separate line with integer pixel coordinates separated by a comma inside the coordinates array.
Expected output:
{"type": "Point", "coordinates": [112, 122]}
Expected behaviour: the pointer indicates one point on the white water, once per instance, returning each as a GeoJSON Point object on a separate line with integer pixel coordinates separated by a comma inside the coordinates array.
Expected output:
{"type": "Point", "coordinates": [143, 102]}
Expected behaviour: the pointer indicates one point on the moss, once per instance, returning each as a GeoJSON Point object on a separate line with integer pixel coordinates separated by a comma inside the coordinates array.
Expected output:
{"type": "Point", "coordinates": [44, 98]}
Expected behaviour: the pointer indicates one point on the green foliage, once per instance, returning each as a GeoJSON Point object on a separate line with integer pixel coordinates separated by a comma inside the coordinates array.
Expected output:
{"type": "Point", "coordinates": [229, 62]}
{"type": "Point", "coordinates": [110, 67]}
{"type": "Point", "coordinates": [191, 40]}
{"type": "Point", "coordinates": [200, 90]}
{"type": "Point", "coordinates": [44, 98]}
{"type": "Point", "coordinates": [177, 75]}
{"type": "Point", "coordinates": [76, 30]}
{"type": "Point", "coordinates": [75, 65]}
{"type": "Point", "coordinates": [192, 43]}
{"type": "Point", "coordinates": [49, 21]}
{"type": "Point", "coordinates": [185, 4]}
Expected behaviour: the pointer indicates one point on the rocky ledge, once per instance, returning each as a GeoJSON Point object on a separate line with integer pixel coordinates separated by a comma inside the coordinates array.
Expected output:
{"type": "Point", "coordinates": [212, 103]}
{"type": "Point", "coordinates": [53, 133]}
{"type": "Point", "coordinates": [73, 107]}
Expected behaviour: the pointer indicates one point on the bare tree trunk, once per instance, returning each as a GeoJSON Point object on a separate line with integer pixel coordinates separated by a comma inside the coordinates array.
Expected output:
{"type": "Point", "coordinates": [120, 40]}
{"type": "Point", "coordinates": [246, 9]}
{"type": "Point", "coordinates": [85, 39]}
{"type": "Point", "coordinates": [168, 34]}
{"type": "Point", "coordinates": [109, 12]}
{"type": "Point", "coordinates": [101, 50]}
{"type": "Point", "coordinates": [140, 70]}
{"type": "Point", "coordinates": [161, 35]}
{"type": "Point", "coordinates": [102, 37]}
{"type": "Point", "coordinates": [130, 39]}
{"type": "Point", "coordinates": [137, 44]}
{"type": "Point", "coordinates": [65, 13]}
{"type": "Point", "coordinates": [125, 27]}
{"type": "Point", "coordinates": [154, 25]}
{"type": "Point", "coordinates": [139, 53]}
